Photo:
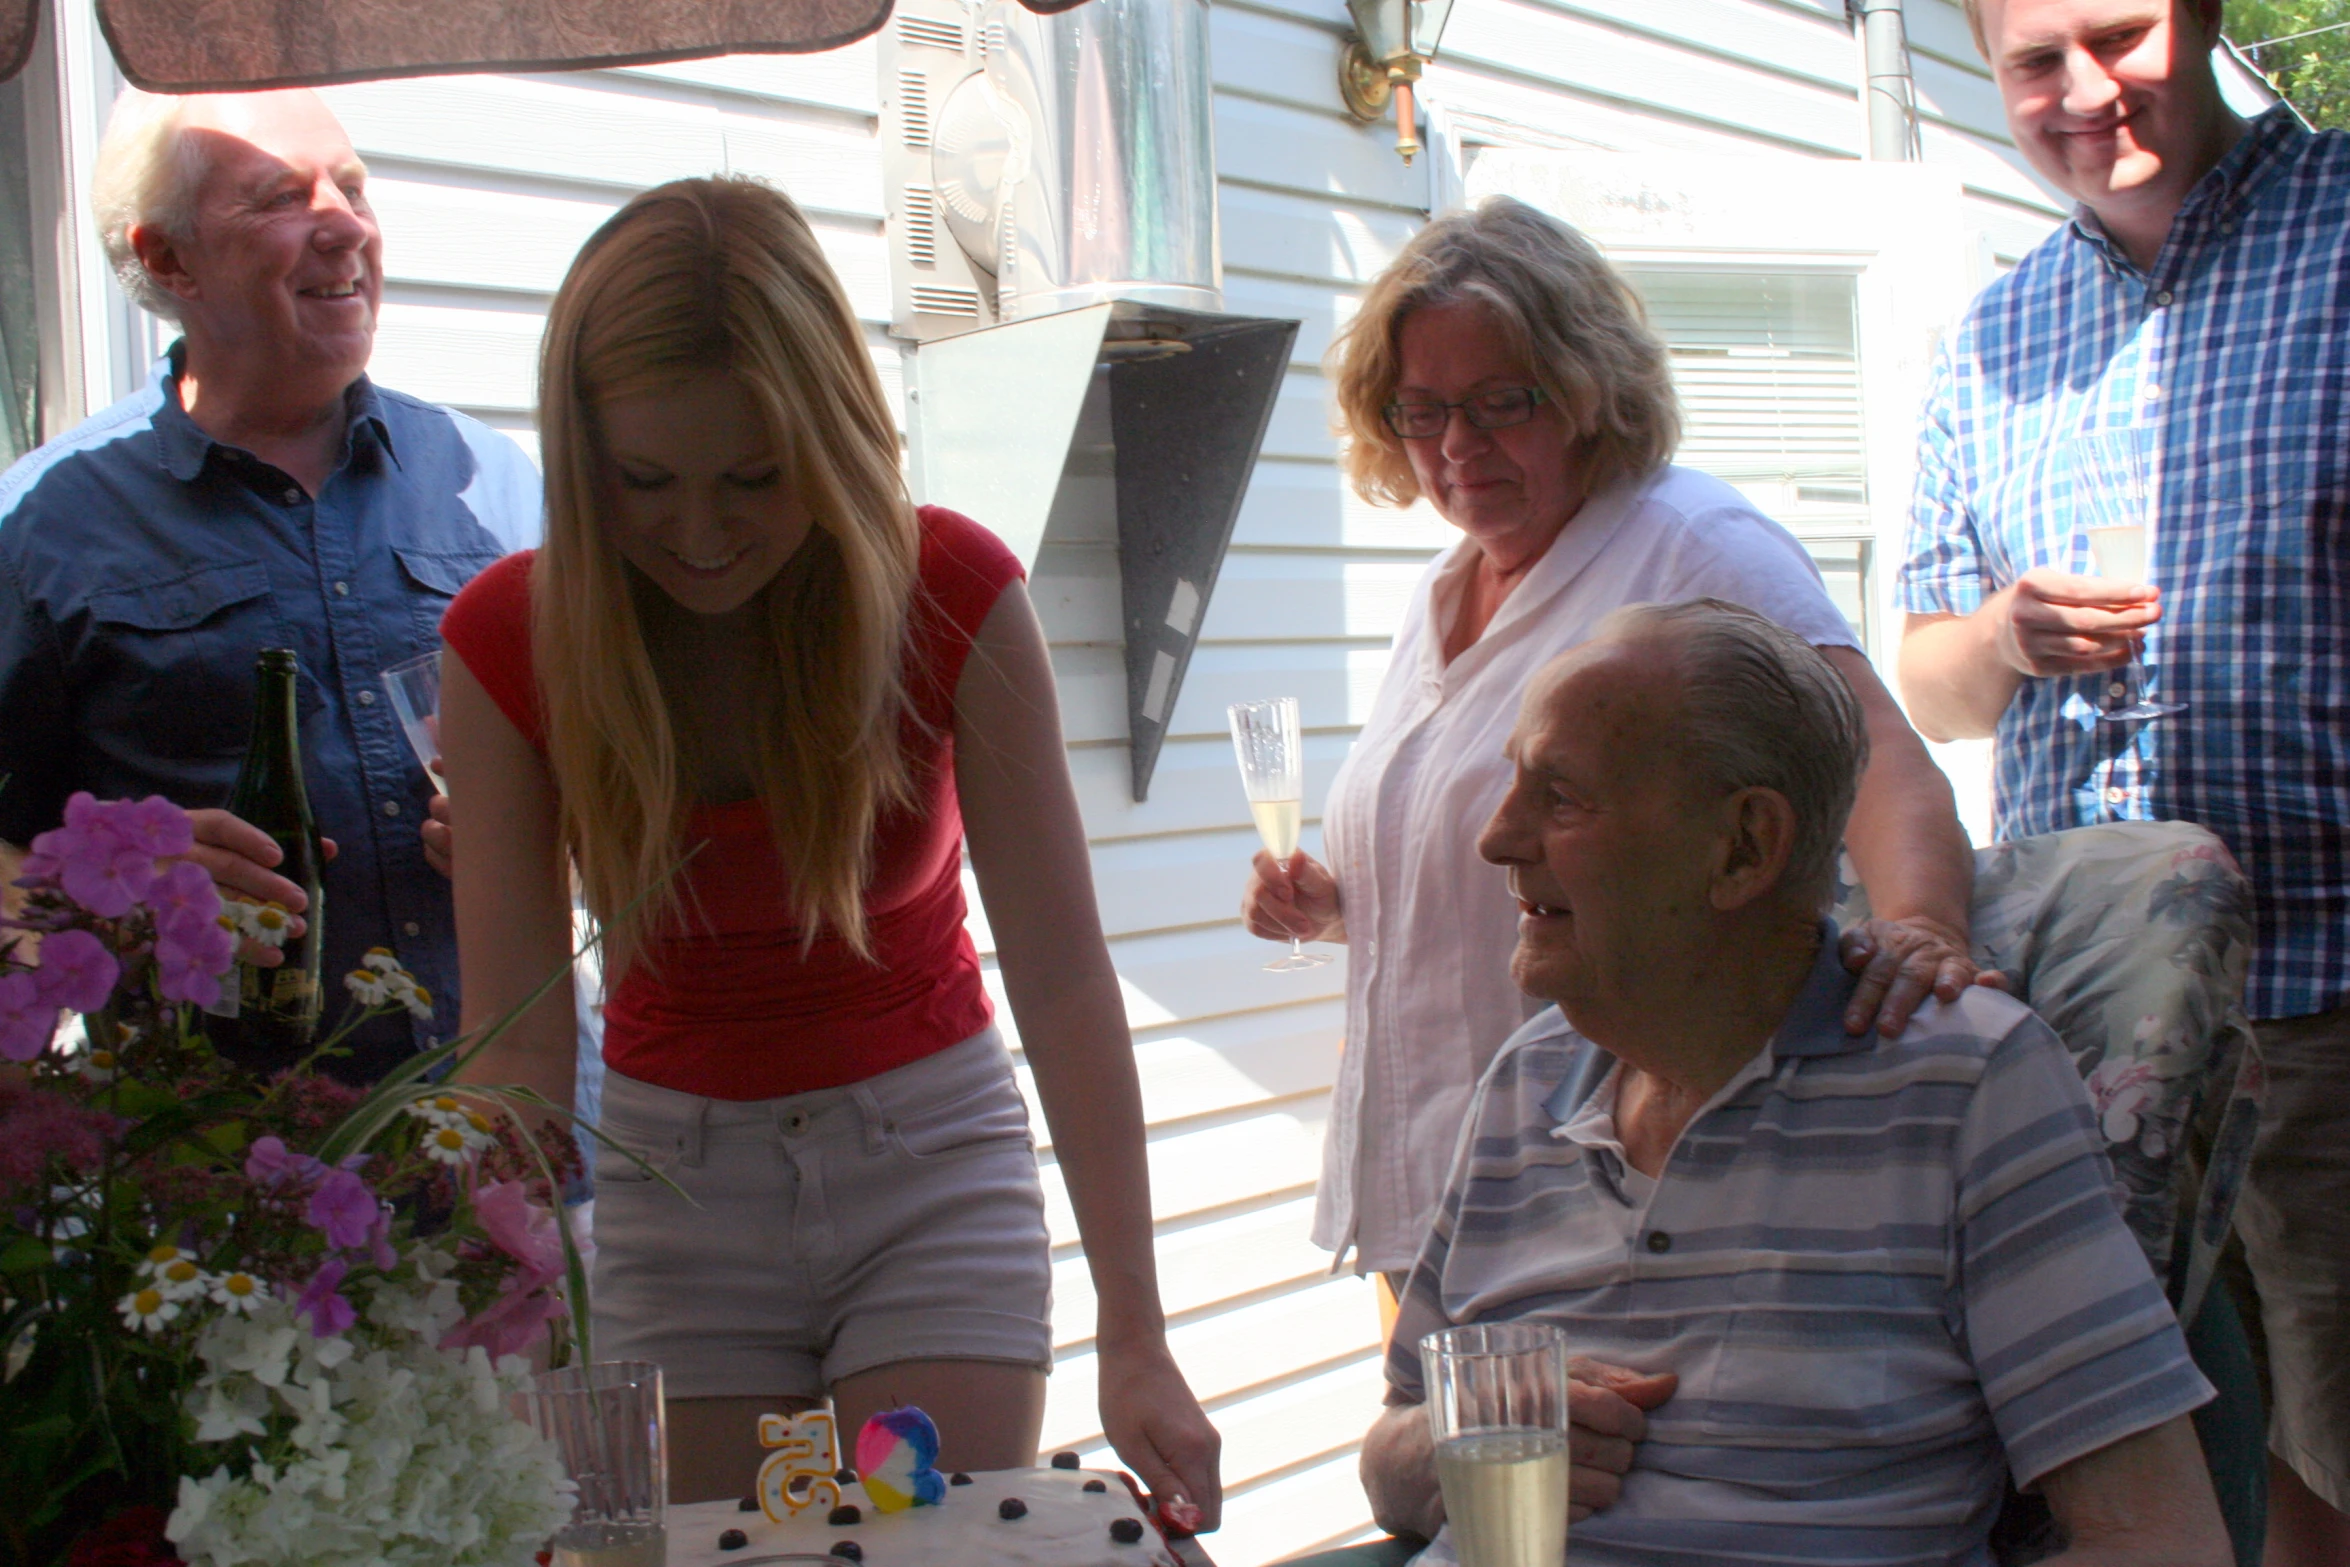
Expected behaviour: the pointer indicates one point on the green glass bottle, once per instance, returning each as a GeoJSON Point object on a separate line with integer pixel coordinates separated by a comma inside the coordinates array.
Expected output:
{"type": "Point", "coordinates": [278, 1008]}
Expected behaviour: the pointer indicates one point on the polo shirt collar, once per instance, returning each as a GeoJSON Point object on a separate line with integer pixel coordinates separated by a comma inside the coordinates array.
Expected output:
{"type": "Point", "coordinates": [1814, 1025]}
{"type": "Point", "coordinates": [185, 446]}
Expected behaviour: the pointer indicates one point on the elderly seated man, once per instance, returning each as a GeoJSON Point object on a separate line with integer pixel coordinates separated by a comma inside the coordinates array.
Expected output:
{"type": "Point", "coordinates": [1827, 1293]}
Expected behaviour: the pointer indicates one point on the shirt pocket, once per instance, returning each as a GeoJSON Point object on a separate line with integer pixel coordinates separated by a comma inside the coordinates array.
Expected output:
{"type": "Point", "coordinates": [1805, 1356]}
{"type": "Point", "coordinates": [432, 578]}
{"type": "Point", "coordinates": [171, 662]}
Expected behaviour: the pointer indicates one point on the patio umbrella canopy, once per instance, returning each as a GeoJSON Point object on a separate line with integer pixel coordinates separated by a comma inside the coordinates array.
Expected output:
{"type": "Point", "coordinates": [185, 46]}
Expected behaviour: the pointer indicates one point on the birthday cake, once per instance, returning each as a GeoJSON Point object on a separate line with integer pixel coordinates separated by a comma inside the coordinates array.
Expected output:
{"type": "Point", "coordinates": [1002, 1518]}
{"type": "Point", "coordinates": [897, 1509]}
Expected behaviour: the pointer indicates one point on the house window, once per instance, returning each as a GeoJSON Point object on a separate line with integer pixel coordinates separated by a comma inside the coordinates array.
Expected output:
{"type": "Point", "coordinates": [20, 334]}
{"type": "Point", "coordinates": [1768, 368]}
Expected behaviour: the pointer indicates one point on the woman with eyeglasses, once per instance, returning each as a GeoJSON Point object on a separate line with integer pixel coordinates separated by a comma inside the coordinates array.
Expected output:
{"type": "Point", "coordinates": [1501, 370]}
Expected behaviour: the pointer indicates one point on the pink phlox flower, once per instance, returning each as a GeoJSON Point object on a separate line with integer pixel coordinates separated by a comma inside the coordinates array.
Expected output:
{"type": "Point", "coordinates": [519, 1227]}
{"type": "Point", "coordinates": [102, 870]}
{"type": "Point", "coordinates": [45, 861]}
{"type": "Point", "coordinates": [270, 1164]}
{"type": "Point", "coordinates": [26, 1021]}
{"type": "Point", "coordinates": [343, 1208]}
{"type": "Point", "coordinates": [155, 827]}
{"type": "Point", "coordinates": [184, 900]}
{"type": "Point", "coordinates": [37, 1126]}
{"type": "Point", "coordinates": [508, 1324]}
{"type": "Point", "coordinates": [328, 1312]}
{"type": "Point", "coordinates": [76, 971]}
{"type": "Point", "coordinates": [190, 959]}
{"type": "Point", "coordinates": [379, 1240]}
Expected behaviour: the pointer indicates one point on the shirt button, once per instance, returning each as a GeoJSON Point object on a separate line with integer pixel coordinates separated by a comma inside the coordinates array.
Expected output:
{"type": "Point", "coordinates": [367, 699]}
{"type": "Point", "coordinates": [2162, 298]}
{"type": "Point", "coordinates": [293, 497]}
{"type": "Point", "coordinates": [2116, 796]}
{"type": "Point", "coordinates": [342, 590]}
{"type": "Point", "coordinates": [411, 928]}
{"type": "Point", "coordinates": [1658, 1240]}
{"type": "Point", "coordinates": [391, 807]}
{"type": "Point", "coordinates": [2228, 227]}
{"type": "Point", "coordinates": [2150, 392]}
{"type": "Point", "coordinates": [2117, 689]}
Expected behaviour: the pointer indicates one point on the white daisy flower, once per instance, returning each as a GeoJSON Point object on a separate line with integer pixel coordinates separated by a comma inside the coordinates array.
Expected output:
{"type": "Point", "coordinates": [439, 1110]}
{"type": "Point", "coordinates": [160, 1257]}
{"type": "Point", "coordinates": [268, 923]}
{"type": "Point", "coordinates": [452, 1144]}
{"type": "Point", "coordinates": [383, 960]}
{"type": "Point", "coordinates": [181, 1279]}
{"type": "Point", "coordinates": [239, 1292]}
{"type": "Point", "coordinates": [148, 1310]}
{"type": "Point", "coordinates": [415, 998]}
{"type": "Point", "coordinates": [367, 987]}
{"type": "Point", "coordinates": [96, 1066]}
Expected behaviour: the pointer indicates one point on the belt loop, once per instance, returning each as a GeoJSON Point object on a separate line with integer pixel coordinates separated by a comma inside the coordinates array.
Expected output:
{"type": "Point", "coordinates": [689, 1140]}
{"type": "Point", "coordinates": [869, 1109]}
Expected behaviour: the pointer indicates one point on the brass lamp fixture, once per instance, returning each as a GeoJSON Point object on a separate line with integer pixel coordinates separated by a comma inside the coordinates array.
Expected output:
{"type": "Point", "coordinates": [1393, 40]}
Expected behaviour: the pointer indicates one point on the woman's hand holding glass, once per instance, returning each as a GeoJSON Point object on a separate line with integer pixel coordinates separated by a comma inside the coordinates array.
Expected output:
{"type": "Point", "coordinates": [1292, 900]}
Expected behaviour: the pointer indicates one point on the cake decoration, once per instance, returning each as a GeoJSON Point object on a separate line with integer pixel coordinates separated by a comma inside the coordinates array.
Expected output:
{"type": "Point", "coordinates": [1011, 1507]}
{"type": "Point", "coordinates": [848, 1551]}
{"type": "Point", "coordinates": [958, 1478]}
{"type": "Point", "coordinates": [1126, 1531]}
{"type": "Point", "coordinates": [1095, 1486]}
{"type": "Point", "coordinates": [798, 1473]}
{"type": "Point", "coordinates": [1064, 1460]}
{"type": "Point", "coordinates": [749, 1504]}
{"type": "Point", "coordinates": [897, 1455]}
{"type": "Point", "coordinates": [733, 1540]}
{"type": "Point", "coordinates": [844, 1515]}
{"type": "Point", "coordinates": [1182, 1516]}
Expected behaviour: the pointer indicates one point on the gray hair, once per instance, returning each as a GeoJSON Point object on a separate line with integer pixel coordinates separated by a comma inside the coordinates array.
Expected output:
{"type": "Point", "coordinates": [149, 173]}
{"type": "Point", "coordinates": [1762, 708]}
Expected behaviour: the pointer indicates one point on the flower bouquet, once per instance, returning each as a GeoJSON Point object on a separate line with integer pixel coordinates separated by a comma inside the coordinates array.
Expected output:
{"type": "Point", "coordinates": [248, 1321]}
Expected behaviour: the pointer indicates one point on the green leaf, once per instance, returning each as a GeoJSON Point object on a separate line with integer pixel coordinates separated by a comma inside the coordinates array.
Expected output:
{"type": "Point", "coordinates": [134, 1098]}
{"type": "Point", "coordinates": [23, 1254]}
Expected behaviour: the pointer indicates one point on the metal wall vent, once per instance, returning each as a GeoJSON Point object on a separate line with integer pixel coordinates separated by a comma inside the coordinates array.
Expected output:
{"type": "Point", "coordinates": [918, 225]}
{"type": "Point", "coordinates": [914, 107]}
{"type": "Point", "coordinates": [959, 302]}
{"type": "Point", "coordinates": [934, 31]}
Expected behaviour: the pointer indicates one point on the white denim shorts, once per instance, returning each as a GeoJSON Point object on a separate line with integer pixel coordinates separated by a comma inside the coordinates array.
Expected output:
{"type": "Point", "coordinates": [823, 1234]}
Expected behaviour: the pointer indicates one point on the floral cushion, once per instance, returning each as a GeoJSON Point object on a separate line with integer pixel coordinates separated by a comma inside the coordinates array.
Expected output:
{"type": "Point", "coordinates": [2131, 940]}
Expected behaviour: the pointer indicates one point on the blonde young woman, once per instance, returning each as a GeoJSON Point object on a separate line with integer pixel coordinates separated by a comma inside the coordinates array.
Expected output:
{"type": "Point", "coordinates": [742, 643]}
{"type": "Point", "coordinates": [1503, 371]}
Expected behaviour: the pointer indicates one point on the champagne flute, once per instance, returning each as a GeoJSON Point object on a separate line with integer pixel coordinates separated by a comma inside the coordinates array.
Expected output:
{"type": "Point", "coordinates": [2113, 507]}
{"type": "Point", "coordinates": [416, 696]}
{"type": "Point", "coordinates": [1497, 1408]}
{"type": "Point", "coordinates": [1273, 771]}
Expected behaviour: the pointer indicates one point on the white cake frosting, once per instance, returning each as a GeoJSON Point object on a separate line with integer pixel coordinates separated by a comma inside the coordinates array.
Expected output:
{"type": "Point", "coordinates": [1065, 1526]}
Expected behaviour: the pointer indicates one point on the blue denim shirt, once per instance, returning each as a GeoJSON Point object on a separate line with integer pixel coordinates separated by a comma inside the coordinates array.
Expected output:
{"type": "Point", "coordinates": [142, 567]}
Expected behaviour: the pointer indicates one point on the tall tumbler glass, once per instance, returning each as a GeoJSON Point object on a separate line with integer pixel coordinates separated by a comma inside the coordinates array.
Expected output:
{"type": "Point", "coordinates": [1497, 1407]}
{"type": "Point", "coordinates": [606, 1420]}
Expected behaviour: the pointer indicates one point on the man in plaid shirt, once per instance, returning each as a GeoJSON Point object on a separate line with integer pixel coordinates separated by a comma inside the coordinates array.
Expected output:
{"type": "Point", "coordinates": [2201, 297]}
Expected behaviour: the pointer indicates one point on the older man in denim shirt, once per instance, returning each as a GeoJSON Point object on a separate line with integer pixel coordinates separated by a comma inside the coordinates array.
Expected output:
{"type": "Point", "coordinates": [259, 492]}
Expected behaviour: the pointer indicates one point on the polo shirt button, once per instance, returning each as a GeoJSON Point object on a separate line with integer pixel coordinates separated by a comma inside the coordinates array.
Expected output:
{"type": "Point", "coordinates": [1658, 1240]}
{"type": "Point", "coordinates": [2116, 796]}
{"type": "Point", "coordinates": [391, 807]}
{"type": "Point", "coordinates": [411, 928]}
{"type": "Point", "coordinates": [367, 699]}
{"type": "Point", "coordinates": [342, 590]}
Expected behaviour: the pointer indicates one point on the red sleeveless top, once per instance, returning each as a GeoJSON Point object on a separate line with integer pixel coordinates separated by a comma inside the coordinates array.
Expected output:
{"type": "Point", "coordinates": [727, 1006]}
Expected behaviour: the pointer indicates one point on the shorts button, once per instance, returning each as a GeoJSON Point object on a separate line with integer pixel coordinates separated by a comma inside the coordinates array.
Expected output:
{"type": "Point", "coordinates": [1658, 1240]}
{"type": "Point", "coordinates": [796, 1122]}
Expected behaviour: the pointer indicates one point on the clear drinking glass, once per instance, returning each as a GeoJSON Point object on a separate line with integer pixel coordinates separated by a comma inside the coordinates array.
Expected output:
{"type": "Point", "coordinates": [1273, 771]}
{"type": "Point", "coordinates": [1497, 1407]}
{"type": "Point", "coordinates": [607, 1421]}
{"type": "Point", "coordinates": [2113, 497]}
{"type": "Point", "coordinates": [416, 696]}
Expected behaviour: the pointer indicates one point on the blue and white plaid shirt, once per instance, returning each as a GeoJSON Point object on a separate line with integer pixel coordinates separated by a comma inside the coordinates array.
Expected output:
{"type": "Point", "coordinates": [2234, 354]}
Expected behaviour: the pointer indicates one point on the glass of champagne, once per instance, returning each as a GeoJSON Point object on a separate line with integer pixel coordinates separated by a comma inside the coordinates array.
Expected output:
{"type": "Point", "coordinates": [1497, 1407]}
{"type": "Point", "coordinates": [1273, 771]}
{"type": "Point", "coordinates": [2113, 499]}
{"type": "Point", "coordinates": [607, 1421]}
{"type": "Point", "coordinates": [416, 696]}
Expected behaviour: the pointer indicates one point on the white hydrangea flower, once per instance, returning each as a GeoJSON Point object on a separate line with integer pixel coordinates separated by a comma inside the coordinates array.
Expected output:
{"type": "Point", "coordinates": [394, 1453]}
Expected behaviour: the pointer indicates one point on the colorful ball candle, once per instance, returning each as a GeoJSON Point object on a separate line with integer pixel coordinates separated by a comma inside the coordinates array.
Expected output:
{"type": "Point", "coordinates": [897, 1459]}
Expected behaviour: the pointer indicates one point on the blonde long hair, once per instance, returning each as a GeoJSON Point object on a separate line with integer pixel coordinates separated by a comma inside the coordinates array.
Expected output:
{"type": "Point", "coordinates": [696, 276]}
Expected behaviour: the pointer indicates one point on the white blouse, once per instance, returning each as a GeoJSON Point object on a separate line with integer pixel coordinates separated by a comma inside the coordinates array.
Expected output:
{"type": "Point", "coordinates": [1430, 926]}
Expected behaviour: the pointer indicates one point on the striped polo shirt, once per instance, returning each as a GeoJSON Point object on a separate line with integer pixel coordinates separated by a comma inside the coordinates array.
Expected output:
{"type": "Point", "coordinates": [1887, 1272]}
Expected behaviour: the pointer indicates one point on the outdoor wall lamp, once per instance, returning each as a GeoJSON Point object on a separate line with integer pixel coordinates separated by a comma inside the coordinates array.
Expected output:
{"type": "Point", "coordinates": [1393, 40]}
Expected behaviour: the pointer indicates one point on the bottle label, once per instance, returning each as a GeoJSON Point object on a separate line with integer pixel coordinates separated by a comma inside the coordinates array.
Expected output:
{"type": "Point", "coordinates": [284, 994]}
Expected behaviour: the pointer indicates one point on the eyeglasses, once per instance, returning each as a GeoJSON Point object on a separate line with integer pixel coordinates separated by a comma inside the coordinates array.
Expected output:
{"type": "Point", "coordinates": [1485, 411]}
